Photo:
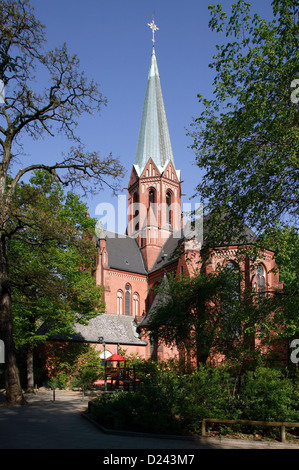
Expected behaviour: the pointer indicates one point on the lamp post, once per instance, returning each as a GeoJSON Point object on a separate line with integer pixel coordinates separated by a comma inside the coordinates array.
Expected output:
{"type": "Point", "coordinates": [101, 340]}
{"type": "Point", "coordinates": [105, 365]}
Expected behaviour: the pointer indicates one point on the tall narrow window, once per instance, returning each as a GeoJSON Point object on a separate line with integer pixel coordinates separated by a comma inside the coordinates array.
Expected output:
{"type": "Point", "coordinates": [229, 299]}
{"type": "Point", "coordinates": [135, 304]}
{"type": "Point", "coordinates": [128, 299]}
{"type": "Point", "coordinates": [151, 197]}
{"type": "Point", "coordinates": [261, 280]}
{"type": "Point", "coordinates": [153, 348]}
{"type": "Point", "coordinates": [119, 300]}
{"type": "Point", "coordinates": [151, 219]}
{"type": "Point", "coordinates": [234, 279]}
{"type": "Point", "coordinates": [168, 206]}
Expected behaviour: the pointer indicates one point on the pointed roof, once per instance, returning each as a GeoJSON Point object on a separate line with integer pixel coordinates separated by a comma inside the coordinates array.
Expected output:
{"type": "Point", "coordinates": [154, 140]}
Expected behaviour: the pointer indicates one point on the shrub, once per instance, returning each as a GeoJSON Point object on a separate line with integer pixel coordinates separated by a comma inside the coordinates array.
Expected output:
{"type": "Point", "coordinates": [207, 393]}
{"type": "Point", "coordinates": [172, 403]}
{"type": "Point", "coordinates": [60, 380]}
{"type": "Point", "coordinates": [88, 369]}
{"type": "Point", "coordinates": [77, 365]}
{"type": "Point", "coordinates": [268, 396]}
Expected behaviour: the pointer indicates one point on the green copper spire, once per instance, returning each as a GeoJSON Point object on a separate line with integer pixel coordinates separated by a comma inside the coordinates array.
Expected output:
{"type": "Point", "coordinates": [153, 141]}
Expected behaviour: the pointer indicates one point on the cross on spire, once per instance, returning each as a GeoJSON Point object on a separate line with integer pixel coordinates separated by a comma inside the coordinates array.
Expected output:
{"type": "Point", "coordinates": [154, 28]}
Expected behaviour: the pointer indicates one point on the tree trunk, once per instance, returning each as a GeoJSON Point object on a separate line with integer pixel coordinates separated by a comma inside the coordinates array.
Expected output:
{"type": "Point", "coordinates": [14, 395]}
{"type": "Point", "coordinates": [30, 374]}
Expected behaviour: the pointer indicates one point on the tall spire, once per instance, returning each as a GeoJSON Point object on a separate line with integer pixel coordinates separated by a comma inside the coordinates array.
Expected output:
{"type": "Point", "coordinates": [153, 140]}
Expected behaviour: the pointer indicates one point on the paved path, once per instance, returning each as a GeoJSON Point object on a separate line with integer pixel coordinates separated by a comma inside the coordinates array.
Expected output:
{"type": "Point", "coordinates": [48, 424]}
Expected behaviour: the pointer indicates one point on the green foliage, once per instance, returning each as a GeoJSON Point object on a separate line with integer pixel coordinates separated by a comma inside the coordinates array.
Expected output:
{"type": "Point", "coordinates": [205, 314]}
{"type": "Point", "coordinates": [88, 369]}
{"type": "Point", "coordinates": [208, 392]}
{"type": "Point", "coordinates": [284, 240]}
{"type": "Point", "coordinates": [120, 410]}
{"type": "Point", "coordinates": [284, 306]}
{"type": "Point", "coordinates": [247, 138]}
{"type": "Point", "coordinates": [268, 396]}
{"type": "Point", "coordinates": [171, 402]}
{"type": "Point", "coordinates": [51, 261]}
{"type": "Point", "coordinates": [73, 365]}
{"type": "Point", "coordinates": [153, 408]}
{"type": "Point", "coordinates": [60, 380]}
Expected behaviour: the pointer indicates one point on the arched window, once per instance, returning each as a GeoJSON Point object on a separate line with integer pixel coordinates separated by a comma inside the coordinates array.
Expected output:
{"type": "Point", "coordinates": [261, 280]}
{"type": "Point", "coordinates": [232, 270]}
{"type": "Point", "coordinates": [128, 299]}
{"type": "Point", "coordinates": [135, 304]}
{"type": "Point", "coordinates": [151, 197]}
{"type": "Point", "coordinates": [119, 300]}
{"type": "Point", "coordinates": [153, 348]}
{"type": "Point", "coordinates": [168, 206]}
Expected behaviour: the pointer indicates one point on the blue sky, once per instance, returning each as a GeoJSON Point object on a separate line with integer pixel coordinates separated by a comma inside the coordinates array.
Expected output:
{"type": "Point", "coordinates": [113, 42]}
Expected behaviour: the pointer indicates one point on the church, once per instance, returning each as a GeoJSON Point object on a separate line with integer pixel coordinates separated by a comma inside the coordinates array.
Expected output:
{"type": "Point", "coordinates": [129, 266]}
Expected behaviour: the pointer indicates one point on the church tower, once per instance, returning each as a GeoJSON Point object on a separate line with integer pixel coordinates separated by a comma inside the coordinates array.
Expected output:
{"type": "Point", "coordinates": [154, 192]}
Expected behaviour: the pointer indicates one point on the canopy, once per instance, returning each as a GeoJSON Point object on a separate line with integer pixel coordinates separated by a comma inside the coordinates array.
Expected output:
{"type": "Point", "coordinates": [116, 357]}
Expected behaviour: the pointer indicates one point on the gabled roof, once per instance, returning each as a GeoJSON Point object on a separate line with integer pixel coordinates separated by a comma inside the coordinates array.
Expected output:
{"type": "Point", "coordinates": [169, 252]}
{"type": "Point", "coordinates": [124, 253]}
{"type": "Point", "coordinates": [113, 328]}
{"type": "Point", "coordinates": [161, 297]}
{"type": "Point", "coordinates": [154, 140]}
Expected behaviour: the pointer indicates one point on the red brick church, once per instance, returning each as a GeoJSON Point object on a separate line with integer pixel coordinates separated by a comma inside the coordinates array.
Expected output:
{"type": "Point", "coordinates": [128, 266]}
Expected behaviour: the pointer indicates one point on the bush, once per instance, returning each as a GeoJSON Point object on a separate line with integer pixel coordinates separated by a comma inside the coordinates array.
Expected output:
{"type": "Point", "coordinates": [60, 380]}
{"type": "Point", "coordinates": [76, 365]}
{"type": "Point", "coordinates": [268, 396]}
{"type": "Point", "coordinates": [172, 403]}
{"type": "Point", "coordinates": [153, 408]}
{"type": "Point", "coordinates": [207, 393]}
{"type": "Point", "coordinates": [88, 369]}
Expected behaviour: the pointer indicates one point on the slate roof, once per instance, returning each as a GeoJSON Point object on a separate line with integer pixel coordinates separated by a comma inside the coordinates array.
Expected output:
{"type": "Point", "coordinates": [124, 253]}
{"type": "Point", "coordinates": [161, 297]}
{"type": "Point", "coordinates": [113, 328]}
{"type": "Point", "coordinates": [169, 252]}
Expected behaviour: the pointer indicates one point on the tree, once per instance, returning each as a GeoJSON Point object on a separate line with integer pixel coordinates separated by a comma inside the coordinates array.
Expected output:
{"type": "Point", "coordinates": [216, 316]}
{"type": "Point", "coordinates": [50, 274]}
{"type": "Point", "coordinates": [247, 137]}
{"type": "Point", "coordinates": [89, 368]}
{"type": "Point", "coordinates": [284, 240]}
{"type": "Point", "coordinates": [29, 109]}
{"type": "Point", "coordinates": [200, 314]}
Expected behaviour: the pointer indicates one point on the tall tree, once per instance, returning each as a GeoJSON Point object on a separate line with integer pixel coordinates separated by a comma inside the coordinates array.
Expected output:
{"type": "Point", "coordinates": [29, 109]}
{"type": "Point", "coordinates": [51, 262]}
{"type": "Point", "coordinates": [247, 137]}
